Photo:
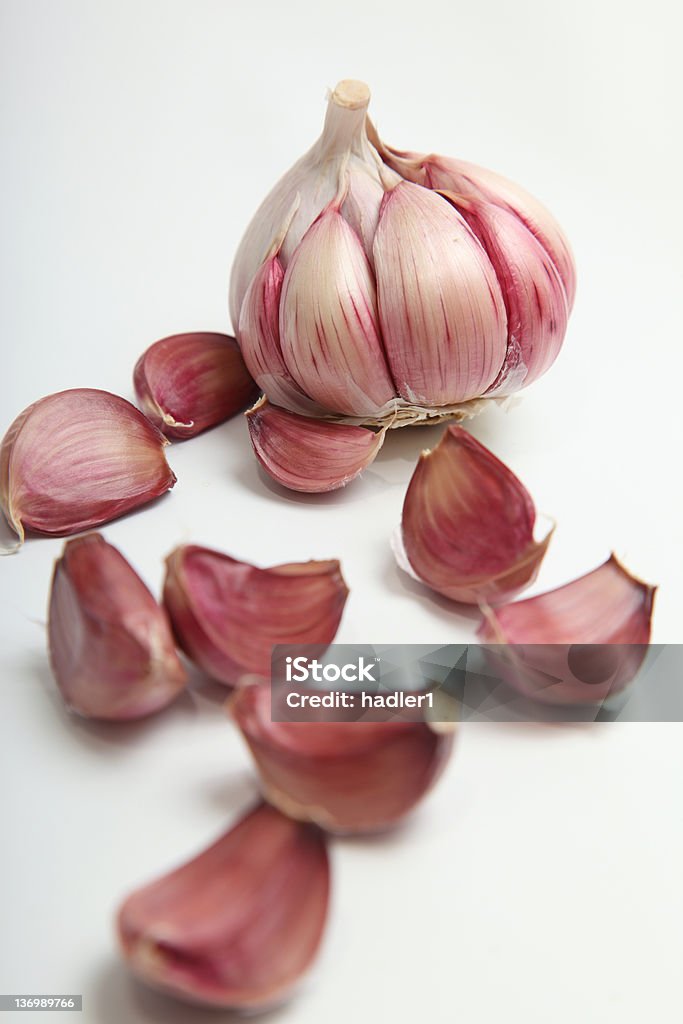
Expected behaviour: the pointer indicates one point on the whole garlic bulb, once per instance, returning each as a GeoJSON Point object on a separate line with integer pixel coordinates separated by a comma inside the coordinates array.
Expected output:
{"type": "Point", "coordinates": [385, 288]}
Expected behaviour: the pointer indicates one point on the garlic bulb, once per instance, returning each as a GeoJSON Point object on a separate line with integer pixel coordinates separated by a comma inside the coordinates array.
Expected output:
{"type": "Point", "coordinates": [387, 289]}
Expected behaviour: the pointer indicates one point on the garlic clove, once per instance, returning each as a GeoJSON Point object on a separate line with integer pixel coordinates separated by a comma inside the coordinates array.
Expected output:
{"type": "Point", "coordinates": [111, 647]}
{"type": "Point", "coordinates": [227, 615]}
{"type": "Point", "coordinates": [190, 382]}
{"type": "Point", "coordinates": [478, 182]}
{"type": "Point", "coordinates": [310, 455]}
{"type": "Point", "coordinates": [259, 331]}
{"type": "Point", "coordinates": [328, 321]}
{"type": "Point", "coordinates": [239, 924]}
{"type": "Point", "coordinates": [468, 523]}
{"type": "Point", "coordinates": [475, 182]}
{"type": "Point", "coordinates": [347, 777]}
{"type": "Point", "coordinates": [79, 458]}
{"type": "Point", "coordinates": [534, 296]}
{"type": "Point", "coordinates": [441, 308]}
{"type": "Point", "coordinates": [578, 644]}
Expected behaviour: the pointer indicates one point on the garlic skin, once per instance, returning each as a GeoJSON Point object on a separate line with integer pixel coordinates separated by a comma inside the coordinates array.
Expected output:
{"type": "Point", "coordinates": [309, 455]}
{"type": "Point", "coordinates": [533, 293]}
{"type": "Point", "coordinates": [238, 925]}
{"type": "Point", "coordinates": [77, 459]}
{"type": "Point", "coordinates": [441, 308]}
{"type": "Point", "coordinates": [467, 529]}
{"type": "Point", "coordinates": [386, 289]}
{"type": "Point", "coordinates": [187, 383]}
{"type": "Point", "coordinates": [227, 615]}
{"type": "Point", "coordinates": [577, 644]}
{"type": "Point", "coordinates": [110, 643]}
{"type": "Point", "coordinates": [347, 777]}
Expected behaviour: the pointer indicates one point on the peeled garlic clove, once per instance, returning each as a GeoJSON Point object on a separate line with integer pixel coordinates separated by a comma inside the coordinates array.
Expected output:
{"type": "Point", "coordinates": [259, 331]}
{"type": "Point", "coordinates": [577, 644]}
{"type": "Point", "coordinates": [77, 459]}
{"type": "Point", "coordinates": [440, 305]}
{"type": "Point", "coordinates": [534, 296]}
{"type": "Point", "coordinates": [310, 455]}
{"type": "Point", "coordinates": [228, 615]}
{"type": "Point", "coordinates": [344, 776]}
{"type": "Point", "coordinates": [239, 924]}
{"type": "Point", "coordinates": [190, 382]}
{"type": "Point", "coordinates": [468, 523]}
{"type": "Point", "coordinates": [328, 321]}
{"type": "Point", "coordinates": [111, 647]}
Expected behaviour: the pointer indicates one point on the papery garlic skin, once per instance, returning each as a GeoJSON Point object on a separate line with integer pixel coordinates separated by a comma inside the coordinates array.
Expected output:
{"type": "Point", "coordinates": [187, 383]}
{"type": "Point", "coordinates": [347, 777]}
{"type": "Point", "coordinates": [238, 925]}
{"type": "Point", "coordinates": [110, 643]}
{"type": "Point", "coordinates": [578, 644]}
{"type": "Point", "coordinates": [467, 527]}
{"type": "Point", "coordinates": [77, 459]}
{"type": "Point", "coordinates": [306, 454]}
{"type": "Point", "coordinates": [227, 615]}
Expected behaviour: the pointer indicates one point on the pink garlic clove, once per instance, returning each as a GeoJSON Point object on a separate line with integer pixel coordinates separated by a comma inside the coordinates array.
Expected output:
{"type": "Point", "coordinates": [189, 382]}
{"type": "Point", "coordinates": [329, 329]}
{"type": "Point", "coordinates": [239, 924]}
{"type": "Point", "coordinates": [347, 777]}
{"type": "Point", "coordinates": [468, 523]}
{"type": "Point", "coordinates": [534, 296]}
{"type": "Point", "coordinates": [228, 615]}
{"type": "Point", "coordinates": [307, 454]}
{"type": "Point", "coordinates": [578, 644]}
{"type": "Point", "coordinates": [259, 332]}
{"type": "Point", "coordinates": [111, 647]}
{"type": "Point", "coordinates": [441, 308]}
{"type": "Point", "coordinates": [78, 459]}
{"type": "Point", "coordinates": [476, 182]}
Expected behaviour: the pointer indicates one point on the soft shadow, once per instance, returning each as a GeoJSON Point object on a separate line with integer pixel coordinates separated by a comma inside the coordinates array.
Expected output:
{"type": "Point", "coordinates": [231, 795]}
{"type": "Point", "coordinates": [401, 583]}
{"type": "Point", "coordinates": [118, 997]}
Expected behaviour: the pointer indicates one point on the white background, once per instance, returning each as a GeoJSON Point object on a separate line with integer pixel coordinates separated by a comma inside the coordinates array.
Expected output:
{"type": "Point", "coordinates": [542, 880]}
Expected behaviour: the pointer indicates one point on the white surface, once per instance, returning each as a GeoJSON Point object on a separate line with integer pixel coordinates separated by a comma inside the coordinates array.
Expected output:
{"type": "Point", "coordinates": [541, 881]}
